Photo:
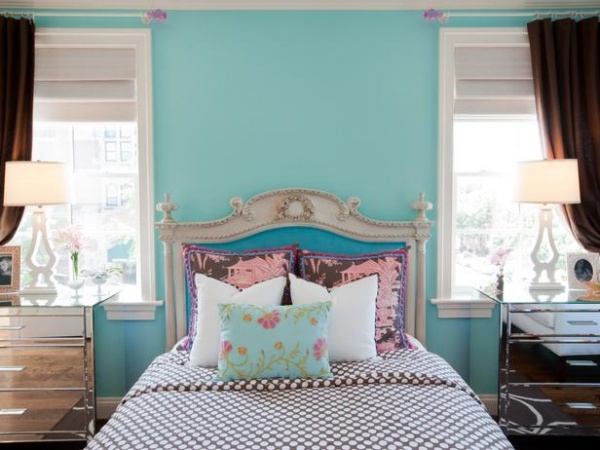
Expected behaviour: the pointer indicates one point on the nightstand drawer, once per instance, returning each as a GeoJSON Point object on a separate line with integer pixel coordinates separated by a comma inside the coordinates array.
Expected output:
{"type": "Point", "coordinates": [25, 367]}
{"type": "Point", "coordinates": [38, 322]}
{"type": "Point", "coordinates": [39, 412]}
{"type": "Point", "coordinates": [581, 404]}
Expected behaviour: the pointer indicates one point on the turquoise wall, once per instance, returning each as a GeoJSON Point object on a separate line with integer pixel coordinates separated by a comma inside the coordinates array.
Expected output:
{"type": "Point", "coordinates": [246, 101]}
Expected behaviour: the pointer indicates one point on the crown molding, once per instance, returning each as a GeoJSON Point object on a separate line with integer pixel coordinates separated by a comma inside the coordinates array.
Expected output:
{"type": "Point", "coordinates": [191, 5]}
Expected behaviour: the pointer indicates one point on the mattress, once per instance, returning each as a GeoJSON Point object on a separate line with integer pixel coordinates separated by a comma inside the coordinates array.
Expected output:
{"type": "Point", "coordinates": [402, 399]}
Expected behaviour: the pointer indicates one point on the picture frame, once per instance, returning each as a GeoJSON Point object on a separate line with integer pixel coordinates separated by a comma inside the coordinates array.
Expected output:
{"type": "Point", "coordinates": [581, 268]}
{"type": "Point", "coordinates": [10, 269]}
{"type": "Point", "coordinates": [9, 300]}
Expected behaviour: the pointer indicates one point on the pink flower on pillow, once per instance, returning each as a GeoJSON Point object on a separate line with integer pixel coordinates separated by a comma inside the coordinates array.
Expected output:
{"type": "Point", "coordinates": [225, 349]}
{"type": "Point", "coordinates": [269, 319]}
{"type": "Point", "coordinates": [320, 348]}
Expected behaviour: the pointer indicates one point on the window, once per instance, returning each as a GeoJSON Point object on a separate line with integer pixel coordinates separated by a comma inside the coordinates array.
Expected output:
{"type": "Point", "coordinates": [110, 151]}
{"type": "Point", "coordinates": [488, 125]}
{"type": "Point", "coordinates": [91, 111]}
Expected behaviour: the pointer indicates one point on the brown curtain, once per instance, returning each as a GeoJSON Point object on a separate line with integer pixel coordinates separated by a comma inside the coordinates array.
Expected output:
{"type": "Point", "coordinates": [17, 44]}
{"type": "Point", "coordinates": [565, 57]}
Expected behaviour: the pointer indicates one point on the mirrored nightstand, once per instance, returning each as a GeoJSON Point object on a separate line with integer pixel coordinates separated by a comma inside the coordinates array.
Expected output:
{"type": "Point", "coordinates": [47, 386]}
{"type": "Point", "coordinates": [550, 361]}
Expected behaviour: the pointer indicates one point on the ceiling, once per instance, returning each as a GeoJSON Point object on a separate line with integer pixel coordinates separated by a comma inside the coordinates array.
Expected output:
{"type": "Point", "coordinates": [299, 4]}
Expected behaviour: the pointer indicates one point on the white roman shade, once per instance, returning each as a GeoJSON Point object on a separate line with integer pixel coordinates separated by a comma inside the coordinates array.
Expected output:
{"type": "Point", "coordinates": [493, 79]}
{"type": "Point", "coordinates": [85, 83]}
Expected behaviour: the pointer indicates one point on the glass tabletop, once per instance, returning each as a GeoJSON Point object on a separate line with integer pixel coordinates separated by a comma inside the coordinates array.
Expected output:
{"type": "Point", "coordinates": [64, 298]}
{"type": "Point", "coordinates": [514, 294]}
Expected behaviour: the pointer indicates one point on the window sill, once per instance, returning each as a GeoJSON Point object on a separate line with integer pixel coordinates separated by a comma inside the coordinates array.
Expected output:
{"type": "Point", "coordinates": [117, 309]}
{"type": "Point", "coordinates": [460, 308]}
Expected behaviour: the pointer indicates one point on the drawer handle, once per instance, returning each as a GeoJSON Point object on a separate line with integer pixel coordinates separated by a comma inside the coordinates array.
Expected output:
{"type": "Point", "coordinates": [581, 405]}
{"type": "Point", "coordinates": [581, 322]}
{"type": "Point", "coordinates": [581, 362]}
{"type": "Point", "coordinates": [12, 411]}
{"type": "Point", "coordinates": [12, 327]}
{"type": "Point", "coordinates": [11, 368]}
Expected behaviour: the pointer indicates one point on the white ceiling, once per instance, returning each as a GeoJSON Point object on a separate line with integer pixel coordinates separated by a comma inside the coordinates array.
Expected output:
{"type": "Point", "coordinates": [443, 5]}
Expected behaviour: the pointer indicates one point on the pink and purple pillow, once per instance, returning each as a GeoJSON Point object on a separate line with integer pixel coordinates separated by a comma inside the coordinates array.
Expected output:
{"type": "Point", "coordinates": [331, 270]}
{"type": "Point", "coordinates": [239, 269]}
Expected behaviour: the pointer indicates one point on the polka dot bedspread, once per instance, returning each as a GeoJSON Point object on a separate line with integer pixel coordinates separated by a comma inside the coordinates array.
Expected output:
{"type": "Point", "coordinates": [405, 399]}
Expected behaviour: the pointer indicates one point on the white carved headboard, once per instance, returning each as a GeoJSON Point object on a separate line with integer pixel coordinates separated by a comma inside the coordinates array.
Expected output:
{"type": "Point", "coordinates": [291, 208]}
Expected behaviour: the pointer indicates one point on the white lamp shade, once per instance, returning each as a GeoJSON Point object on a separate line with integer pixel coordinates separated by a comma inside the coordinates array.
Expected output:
{"type": "Point", "coordinates": [36, 183]}
{"type": "Point", "coordinates": [548, 181]}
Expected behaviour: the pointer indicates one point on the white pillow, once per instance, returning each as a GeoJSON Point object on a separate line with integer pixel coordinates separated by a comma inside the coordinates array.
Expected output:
{"type": "Point", "coordinates": [351, 335]}
{"type": "Point", "coordinates": [211, 292]}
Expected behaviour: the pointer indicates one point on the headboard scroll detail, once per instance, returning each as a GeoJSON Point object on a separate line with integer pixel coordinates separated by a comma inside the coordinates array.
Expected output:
{"type": "Point", "coordinates": [293, 207]}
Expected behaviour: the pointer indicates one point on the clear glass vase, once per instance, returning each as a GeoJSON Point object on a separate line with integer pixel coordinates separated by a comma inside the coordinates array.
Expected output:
{"type": "Point", "coordinates": [75, 282]}
{"type": "Point", "coordinates": [99, 280]}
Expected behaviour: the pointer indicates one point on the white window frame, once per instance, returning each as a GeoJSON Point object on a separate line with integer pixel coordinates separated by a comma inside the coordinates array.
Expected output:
{"type": "Point", "coordinates": [450, 306]}
{"type": "Point", "coordinates": [130, 307]}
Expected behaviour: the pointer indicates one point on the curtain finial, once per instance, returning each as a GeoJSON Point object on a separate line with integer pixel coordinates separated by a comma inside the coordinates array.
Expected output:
{"type": "Point", "coordinates": [433, 14]}
{"type": "Point", "coordinates": [154, 15]}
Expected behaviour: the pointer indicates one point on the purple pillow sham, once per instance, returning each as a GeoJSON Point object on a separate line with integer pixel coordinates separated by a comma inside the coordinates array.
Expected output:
{"type": "Point", "coordinates": [330, 270]}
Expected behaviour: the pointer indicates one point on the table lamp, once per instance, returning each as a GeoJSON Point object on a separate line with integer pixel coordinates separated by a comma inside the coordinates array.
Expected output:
{"type": "Point", "coordinates": [37, 183]}
{"type": "Point", "coordinates": [547, 183]}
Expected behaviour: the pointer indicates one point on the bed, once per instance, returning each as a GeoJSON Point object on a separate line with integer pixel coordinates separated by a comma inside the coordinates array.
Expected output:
{"type": "Point", "coordinates": [354, 288]}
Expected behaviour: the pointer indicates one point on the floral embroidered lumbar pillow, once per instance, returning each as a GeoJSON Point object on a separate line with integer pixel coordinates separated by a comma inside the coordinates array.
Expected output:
{"type": "Point", "coordinates": [274, 341]}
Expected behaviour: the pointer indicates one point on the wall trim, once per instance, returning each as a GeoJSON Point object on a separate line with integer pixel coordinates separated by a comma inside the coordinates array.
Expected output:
{"type": "Point", "coordinates": [491, 403]}
{"type": "Point", "coordinates": [139, 40]}
{"type": "Point", "coordinates": [140, 310]}
{"type": "Point", "coordinates": [449, 40]}
{"type": "Point", "coordinates": [106, 406]}
{"type": "Point", "coordinates": [464, 308]}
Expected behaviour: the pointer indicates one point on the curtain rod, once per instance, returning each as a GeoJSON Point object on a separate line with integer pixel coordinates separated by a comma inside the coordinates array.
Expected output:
{"type": "Point", "coordinates": [532, 14]}
{"type": "Point", "coordinates": [442, 17]}
{"type": "Point", "coordinates": [147, 17]}
{"type": "Point", "coordinates": [160, 15]}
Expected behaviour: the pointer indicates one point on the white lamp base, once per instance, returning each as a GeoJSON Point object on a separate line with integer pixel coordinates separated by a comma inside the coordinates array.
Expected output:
{"type": "Point", "coordinates": [549, 266]}
{"type": "Point", "coordinates": [43, 271]}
